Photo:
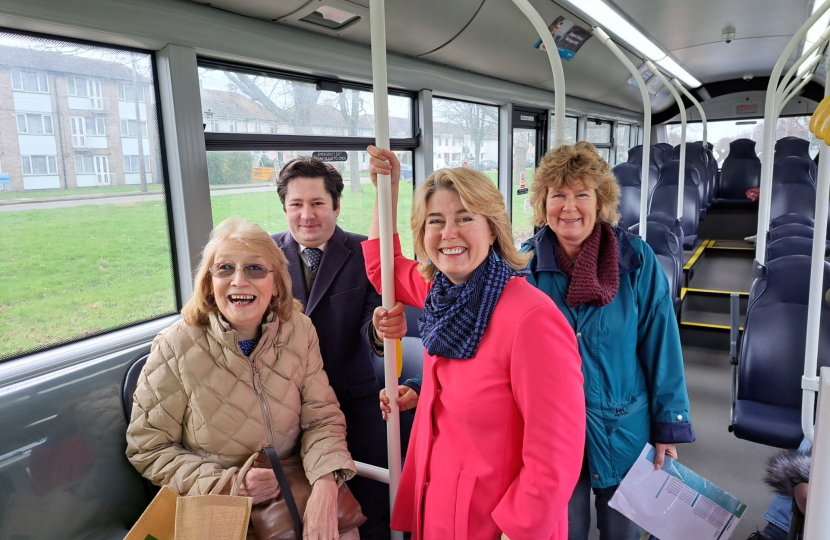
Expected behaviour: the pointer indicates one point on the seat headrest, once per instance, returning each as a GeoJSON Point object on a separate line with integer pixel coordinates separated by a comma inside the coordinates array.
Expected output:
{"type": "Point", "coordinates": [694, 151]}
{"type": "Point", "coordinates": [661, 238]}
{"type": "Point", "coordinates": [710, 146]}
{"type": "Point", "coordinates": [672, 170]}
{"type": "Point", "coordinates": [784, 247]}
{"type": "Point", "coordinates": [792, 146]}
{"type": "Point", "coordinates": [786, 278]}
{"type": "Point", "coordinates": [742, 149]}
{"type": "Point", "coordinates": [628, 174]}
{"type": "Point", "coordinates": [655, 156]}
{"type": "Point", "coordinates": [793, 170]}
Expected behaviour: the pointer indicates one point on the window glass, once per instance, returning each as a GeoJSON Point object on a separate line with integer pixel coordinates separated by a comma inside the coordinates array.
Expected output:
{"type": "Point", "coordinates": [598, 132]}
{"type": "Point", "coordinates": [722, 132]}
{"type": "Point", "coordinates": [605, 153]}
{"type": "Point", "coordinates": [570, 129]}
{"type": "Point", "coordinates": [466, 132]}
{"type": "Point", "coordinates": [623, 140]}
{"type": "Point", "coordinates": [232, 101]}
{"type": "Point", "coordinates": [524, 154]}
{"type": "Point", "coordinates": [235, 192]}
{"type": "Point", "coordinates": [83, 263]}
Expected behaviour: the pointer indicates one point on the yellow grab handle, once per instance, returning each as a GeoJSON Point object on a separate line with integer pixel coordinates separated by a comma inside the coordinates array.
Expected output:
{"type": "Point", "coordinates": [819, 118]}
{"type": "Point", "coordinates": [399, 349]}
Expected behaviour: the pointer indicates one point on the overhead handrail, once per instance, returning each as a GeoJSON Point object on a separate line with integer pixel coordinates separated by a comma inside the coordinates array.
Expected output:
{"type": "Point", "coordinates": [770, 117]}
{"type": "Point", "coordinates": [805, 56]}
{"type": "Point", "coordinates": [817, 523]}
{"type": "Point", "coordinates": [795, 92]}
{"type": "Point", "coordinates": [555, 66]}
{"type": "Point", "coordinates": [784, 90]}
{"type": "Point", "coordinates": [699, 108]}
{"type": "Point", "coordinates": [380, 90]}
{"type": "Point", "coordinates": [681, 180]}
{"type": "Point", "coordinates": [644, 187]}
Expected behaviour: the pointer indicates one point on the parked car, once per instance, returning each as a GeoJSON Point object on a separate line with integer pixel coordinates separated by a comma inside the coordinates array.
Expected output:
{"type": "Point", "coordinates": [488, 165]}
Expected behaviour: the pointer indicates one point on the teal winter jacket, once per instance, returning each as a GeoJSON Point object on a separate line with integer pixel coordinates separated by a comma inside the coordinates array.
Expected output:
{"type": "Point", "coordinates": [635, 388]}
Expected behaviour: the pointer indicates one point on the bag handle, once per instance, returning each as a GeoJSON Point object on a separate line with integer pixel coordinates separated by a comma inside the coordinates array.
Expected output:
{"type": "Point", "coordinates": [285, 489]}
{"type": "Point", "coordinates": [240, 476]}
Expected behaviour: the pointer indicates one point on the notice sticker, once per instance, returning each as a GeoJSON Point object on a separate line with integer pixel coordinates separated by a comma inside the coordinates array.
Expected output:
{"type": "Point", "coordinates": [331, 156]}
{"type": "Point", "coordinates": [568, 36]}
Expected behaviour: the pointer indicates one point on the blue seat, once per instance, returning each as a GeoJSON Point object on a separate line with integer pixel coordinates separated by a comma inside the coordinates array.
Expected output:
{"type": "Point", "coordinates": [628, 177]}
{"type": "Point", "coordinates": [796, 245]}
{"type": "Point", "coordinates": [656, 161]}
{"type": "Point", "coordinates": [669, 221]}
{"type": "Point", "coordinates": [668, 249]}
{"type": "Point", "coordinates": [795, 147]}
{"type": "Point", "coordinates": [664, 199]}
{"type": "Point", "coordinates": [793, 187]}
{"type": "Point", "coordinates": [741, 172]}
{"type": "Point", "coordinates": [668, 151]}
{"type": "Point", "coordinates": [792, 218]}
{"type": "Point", "coordinates": [130, 384]}
{"type": "Point", "coordinates": [696, 158]}
{"type": "Point", "coordinates": [791, 230]}
{"type": "Point", "coordinates": [770, 360]}
{"type": "Point", "coordinates": [714, 173]}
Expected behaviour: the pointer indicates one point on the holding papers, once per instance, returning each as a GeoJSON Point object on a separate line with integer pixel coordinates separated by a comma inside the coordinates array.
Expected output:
{"type": "Point", "coordinates": [674, 503]}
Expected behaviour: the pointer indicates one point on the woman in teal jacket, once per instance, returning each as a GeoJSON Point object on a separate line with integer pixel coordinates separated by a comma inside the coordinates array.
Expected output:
{"type": "Point", "coordinates": [613, 292]}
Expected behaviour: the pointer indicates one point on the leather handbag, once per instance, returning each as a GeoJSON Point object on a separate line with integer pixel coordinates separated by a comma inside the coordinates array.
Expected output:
{"type": "Point", "coordinates": [281, 518]}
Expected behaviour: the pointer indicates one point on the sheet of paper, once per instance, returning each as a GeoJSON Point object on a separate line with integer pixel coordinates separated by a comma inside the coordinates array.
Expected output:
{"type": "Point", "coordinates": [674, 503]}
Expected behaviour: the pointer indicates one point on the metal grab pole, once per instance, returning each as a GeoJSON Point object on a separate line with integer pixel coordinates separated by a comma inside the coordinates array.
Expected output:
{"type": "Point", "coordinates": [795, 92]}
{"type": "Point", "coordinates": [555, 65]}
{"type": "Point", "coordinates": [817, 524]}
{"type": "Point", "coordinates": [806, 55]}
{"type": "Point", "coordinates": [770, 117]}
{"type": "Point", "coordinates": [644, 187]}
{"type": "Point", "coordinates": [681, 180]}
{"type": "Point", "coordinates": [700, 111]}
{"type": "Point", "coordinates": [377, 21]}
{"type": "Point", "coordinates": [785, 90]}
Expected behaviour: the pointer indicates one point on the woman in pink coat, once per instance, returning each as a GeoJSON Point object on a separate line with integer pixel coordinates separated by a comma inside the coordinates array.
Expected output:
{"type": "Point", "coordinates": [499, 433]}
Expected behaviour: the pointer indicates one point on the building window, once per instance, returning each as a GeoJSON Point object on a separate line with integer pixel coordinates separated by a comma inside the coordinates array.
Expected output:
{"type": "Point", "coordinates": [132, 164]}
{"type": "Point", "coordinates": [258, 127]}
{"type": "Point", "coordinates": [39, 165]}
{"type": "Point", "coordinates": [30, 81]}
{"type": "Point", "coordinates": [233, 126]}
{"type": "Point", "coordinates": [126, 92]}
{"type": "Point", "coordinates": [128, 129]}
{"type": "Point", "coordinates": [272, 127]}
{"type": "Point", "coordinates": [34, 124]}
{"type": "Point", "coordinates": [84, 164]}
{"type": "Point", "coordinates": [88, 88]}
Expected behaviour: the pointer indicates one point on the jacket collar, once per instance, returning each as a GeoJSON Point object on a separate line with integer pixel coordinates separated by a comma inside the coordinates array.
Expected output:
{"type": "Point", "coordinates": [227, 336]}
{"type": "Point", "coordinates": [545, 246]}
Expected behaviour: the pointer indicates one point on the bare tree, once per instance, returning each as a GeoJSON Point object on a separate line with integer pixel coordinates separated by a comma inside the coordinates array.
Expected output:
{"type": "Point", "coordinates": [477, 121]}
{"type": "Point", "coordinates": [351, 110]}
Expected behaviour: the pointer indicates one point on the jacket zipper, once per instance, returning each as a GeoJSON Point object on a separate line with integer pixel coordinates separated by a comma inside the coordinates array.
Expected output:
{"type": "Point", "coordinates": [265, 411]}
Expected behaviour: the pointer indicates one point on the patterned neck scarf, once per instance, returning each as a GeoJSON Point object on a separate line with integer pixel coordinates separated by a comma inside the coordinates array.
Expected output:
{"type": "Point", "coordinates": [595, 276]}
{"type": "Point", "coordinates": [456, 316]}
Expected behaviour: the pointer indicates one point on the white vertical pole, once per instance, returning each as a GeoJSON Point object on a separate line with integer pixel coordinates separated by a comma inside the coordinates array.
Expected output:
{"type": "Point", "coordinates": [770, 119]}
{"type": "Point", "coordinates": [698, 106]}
{"type": "Point", "coordinates": [377, 21]}
{"type": "Point", "coordinates": [817, 524]}
{"type": "Point", "coordinates": [555, 65]}
{"type": "Point", "coordinates": [681, 180]}
{"type": "Point", "coordinates": [644, 187]}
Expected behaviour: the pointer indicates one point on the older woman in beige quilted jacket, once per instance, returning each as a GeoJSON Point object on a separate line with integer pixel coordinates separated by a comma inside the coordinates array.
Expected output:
{"type": "Point", "coordinates": [242, 368]}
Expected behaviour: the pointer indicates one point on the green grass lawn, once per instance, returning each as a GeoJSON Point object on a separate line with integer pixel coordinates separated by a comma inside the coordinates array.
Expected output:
{"type": "Point", "coordinates": [70, 272]}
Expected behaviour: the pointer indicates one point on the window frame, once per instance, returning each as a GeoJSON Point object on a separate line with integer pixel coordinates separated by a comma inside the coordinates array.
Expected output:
{"type": "Point", "coordinates": [37, 77]}
{"type": "Point", "coordinates": [80, 158]}
{"type": "Point", "coordinates": [26, 116]}
{"type": "Point", "coordinates": [143, 126]}
{"type": "Point", "coordinates": [24, 159]}
{"type": "Point", "coordinates": [121, 90]}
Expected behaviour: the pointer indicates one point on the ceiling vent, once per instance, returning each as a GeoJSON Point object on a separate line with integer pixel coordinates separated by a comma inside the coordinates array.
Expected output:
{"type": "Point", "coordinates": [331, 18]}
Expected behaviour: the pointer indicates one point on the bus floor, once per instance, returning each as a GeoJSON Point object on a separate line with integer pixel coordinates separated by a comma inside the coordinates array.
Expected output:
{"type": "Point", "coordinates": [734, 465]}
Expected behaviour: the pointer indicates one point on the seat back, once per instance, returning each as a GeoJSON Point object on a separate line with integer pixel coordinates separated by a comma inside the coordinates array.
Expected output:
{"type": "Point", "coordinates": [791, 230]}
{"type": "Point", "coordinates": [793, 187]}
{"type": "Point", "coordinates": [792, 218]}
{"type": "Point", "coordinates": [696, 158]}
{"type": "Point", "coordinates": [656, 161]}
{"type": "Point", "coordinates": [789, 246]}
{"type": "Point", "coordinates": [664, 199]}
{"type": "Point", "coordinates": [668, 221]}
{"type": "Point", "coordinates": [712, 163]}
{"type": "Point", "coordinates": [669, 251]}
{"type": "Point", "coordinates": [741, 170]}
{"type": "Point", "coordinates": [771, 359]}
{"type": "Point", "coordinates": [628, 177]}
{"type": "Point", "coordinates": [668, 151]}
{"type": "Point", "coordinates": [792, 146]}
{"type": "Point", "coordinates": [130, 384]}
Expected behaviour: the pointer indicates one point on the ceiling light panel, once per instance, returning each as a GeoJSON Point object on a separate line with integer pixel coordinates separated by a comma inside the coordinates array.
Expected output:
{"type": "Point", "coordinates": [668, 64]}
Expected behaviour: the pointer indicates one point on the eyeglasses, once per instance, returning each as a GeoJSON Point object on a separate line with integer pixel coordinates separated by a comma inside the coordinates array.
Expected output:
{"type": "Point", "coordinates": [250, 271]}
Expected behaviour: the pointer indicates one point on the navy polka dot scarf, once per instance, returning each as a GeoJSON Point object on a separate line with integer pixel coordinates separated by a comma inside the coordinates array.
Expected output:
{"type": "Point", "coordinates": [456, 316]}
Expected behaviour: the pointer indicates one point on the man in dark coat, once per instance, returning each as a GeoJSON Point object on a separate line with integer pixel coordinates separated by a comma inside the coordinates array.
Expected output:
{"type": "Point", "coordinates": [328, 276]}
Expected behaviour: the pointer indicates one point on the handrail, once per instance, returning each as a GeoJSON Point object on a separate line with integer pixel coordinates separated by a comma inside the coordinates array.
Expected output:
{"type": "Point", "coordinates": [644, 187]}
{"type": "Point", "coordinates": [377, 22]}
{"type": "Point", "coordinates": [795, 92]}
{"type": "Point", "coordinates": [555, 65]}
{"type": "Point", "coordinates": [700, 111]}
{"type": "Point", "coordinates": [805, 56]}
{"type": "Point", "coordinates": [817, 524]}
{"type": "Point", "coordinates": [770, 116]}
{"type": "Point", "coordinates": [681, 180]}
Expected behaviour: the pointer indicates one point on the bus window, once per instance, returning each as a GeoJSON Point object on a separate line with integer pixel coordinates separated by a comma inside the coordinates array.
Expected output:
{"type": "Point", "coordinates": [623, 140]}
{"type": "Point", "coordinates": [461, 127]}
{"type": "Point", "coordinates": [599, 134]}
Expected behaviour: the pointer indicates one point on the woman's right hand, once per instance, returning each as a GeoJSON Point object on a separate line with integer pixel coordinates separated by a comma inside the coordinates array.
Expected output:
{"type": "Point", "coordinates": [383, 162]}
{"type": "Point", "coordinates": [407, 399]}
{"type": "Point", "coordinates": [261, 484]}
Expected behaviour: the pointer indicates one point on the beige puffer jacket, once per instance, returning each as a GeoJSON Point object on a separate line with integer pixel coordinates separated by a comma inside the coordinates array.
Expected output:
{"type": "Point", "coordinates": [197, 409]}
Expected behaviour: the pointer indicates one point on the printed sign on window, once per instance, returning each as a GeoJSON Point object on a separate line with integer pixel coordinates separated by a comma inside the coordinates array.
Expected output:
{"type": "Point", "coordinates": [568, 37]}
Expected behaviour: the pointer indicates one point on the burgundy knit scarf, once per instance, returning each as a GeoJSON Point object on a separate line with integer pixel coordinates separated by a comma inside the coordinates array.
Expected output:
{"type": "Point", "coordinates": [595, 277]}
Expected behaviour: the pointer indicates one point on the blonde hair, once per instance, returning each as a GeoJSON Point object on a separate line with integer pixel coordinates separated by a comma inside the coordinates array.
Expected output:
{"type": "Point", "coordinates": [575, 165]}
{"type": "Point", "coordinates": [197, 310]}
{"type": "Point", "coordinates": [479, 195]}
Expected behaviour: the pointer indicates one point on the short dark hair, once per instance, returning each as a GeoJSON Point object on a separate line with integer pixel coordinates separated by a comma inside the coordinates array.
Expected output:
{"type": "Point", "coordinates": [310, 167]}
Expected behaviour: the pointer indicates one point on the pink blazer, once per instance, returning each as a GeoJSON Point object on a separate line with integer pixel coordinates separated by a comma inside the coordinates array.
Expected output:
{"type": "Point", "coordinates": [498, 439]}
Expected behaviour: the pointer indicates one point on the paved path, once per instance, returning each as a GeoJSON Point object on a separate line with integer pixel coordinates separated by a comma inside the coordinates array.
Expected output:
{"type": "Point", "coordinates": [127, 199]}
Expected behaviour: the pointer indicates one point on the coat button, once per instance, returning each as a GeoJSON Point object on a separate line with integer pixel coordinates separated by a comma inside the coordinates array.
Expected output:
{"type": "Point", "coordinates": [679, 417]}
{"type": "Point", "coordinates": [579, 334]}
{"type": "Point", "coordinates": [596, 477]}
